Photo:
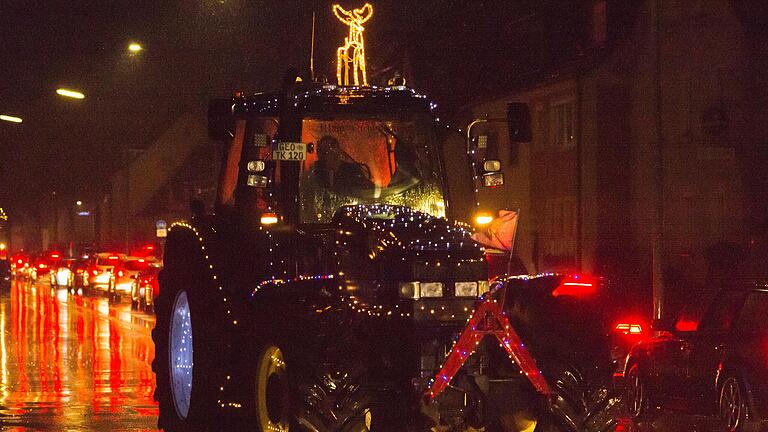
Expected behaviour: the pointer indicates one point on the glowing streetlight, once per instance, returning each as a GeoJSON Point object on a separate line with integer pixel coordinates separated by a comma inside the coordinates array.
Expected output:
{"type": "Point", "coordinates": [135, 48]}
{"type": "Point", "coordinates": [70, 93]}
{"type": "Point", "coordinates": [11, 119]}
{"type": "Point", "coordinates": [79, 203]}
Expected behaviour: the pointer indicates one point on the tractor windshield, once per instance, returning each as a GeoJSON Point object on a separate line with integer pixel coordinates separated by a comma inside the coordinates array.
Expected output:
{"type": "Point", "coordinates": [367, 162]}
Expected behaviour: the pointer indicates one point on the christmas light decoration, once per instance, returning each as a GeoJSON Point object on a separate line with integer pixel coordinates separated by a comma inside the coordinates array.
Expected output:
{"type": "Point", "coordinates": [352, 54]}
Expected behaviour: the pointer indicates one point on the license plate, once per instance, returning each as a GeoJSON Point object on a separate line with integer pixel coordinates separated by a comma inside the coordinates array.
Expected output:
{"type": "Point", "coordinates": [289, 151]}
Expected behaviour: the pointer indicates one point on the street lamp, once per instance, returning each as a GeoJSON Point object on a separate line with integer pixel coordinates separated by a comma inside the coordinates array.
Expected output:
{"type": "Point", "coordinates": [79, 203]}
{"type": "Point", "coordinates": [70, 93]}
{"type": "Point", "coordinates": [11, 119]}
{"type": "Point", "coordinates": [135, 48]}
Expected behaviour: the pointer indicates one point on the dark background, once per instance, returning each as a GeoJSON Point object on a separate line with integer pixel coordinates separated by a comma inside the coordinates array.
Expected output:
{"type": "Point", "coordinates": [455, 51]}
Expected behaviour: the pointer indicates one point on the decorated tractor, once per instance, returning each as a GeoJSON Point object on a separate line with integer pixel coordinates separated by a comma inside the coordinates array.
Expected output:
{"type": "Point", "coordinates": [332, 288]}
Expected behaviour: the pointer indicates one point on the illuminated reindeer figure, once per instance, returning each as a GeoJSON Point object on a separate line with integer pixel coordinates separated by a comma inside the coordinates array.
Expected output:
{"type": "Point", "coordinates": [352, 54]}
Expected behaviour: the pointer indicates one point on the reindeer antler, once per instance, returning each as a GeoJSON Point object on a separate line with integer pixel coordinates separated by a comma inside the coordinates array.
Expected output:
{"type": "Point", "coordinates": [343, 15]}
{"type": "Point", "coordinates": [363, 14]}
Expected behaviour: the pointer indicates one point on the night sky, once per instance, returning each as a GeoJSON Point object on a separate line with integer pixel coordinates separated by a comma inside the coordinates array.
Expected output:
{"type": "Point", "coordinates": [195, 50]}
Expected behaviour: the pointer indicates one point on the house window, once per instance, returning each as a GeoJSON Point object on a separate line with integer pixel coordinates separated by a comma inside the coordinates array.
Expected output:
{"type": "Point", "coordinates": [563, 122]}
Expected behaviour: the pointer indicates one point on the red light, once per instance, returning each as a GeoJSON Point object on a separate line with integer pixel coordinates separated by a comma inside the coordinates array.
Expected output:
{"type": "Point", "coordinates": [41, 266]}
{"type": "Point", "coordinates": [141, 260]}
{"type": "Point", "coordinates": [573, 287]}
{"type": "Point", "coordinates": [20, 261]}
{"type": "Point", "coordinates": [149, 247]}
{"type": "Point", "coordinates": [629, 329]}
{"type": "Point", "coordinates": [55, 255]}
{"type": "Point", "coordinates": [120, 273]}
{"type": "Point", "coordinates": [686, 325]}
{"type": "Point", "coordinates": [95, 272]}
{"type": "Point", "coordinates": [114, 257]}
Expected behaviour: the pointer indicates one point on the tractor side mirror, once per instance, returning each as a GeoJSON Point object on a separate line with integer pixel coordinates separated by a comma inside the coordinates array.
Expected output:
{"type": "Point", "coordinates": [519, 122]}
{"type": "Point", "coordinates": [220, 120]}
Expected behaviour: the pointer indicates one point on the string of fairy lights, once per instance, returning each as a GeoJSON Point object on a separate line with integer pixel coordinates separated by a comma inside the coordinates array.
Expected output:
{"type": "Point", "coordinates": [219, 287]}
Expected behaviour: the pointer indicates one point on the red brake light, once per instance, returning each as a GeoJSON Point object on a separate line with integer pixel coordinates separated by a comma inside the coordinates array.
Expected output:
{"type": "Point", "coordinates": [574, 286]}
{"type": "Point", "coordinates": [114, 257]}
{"type": "Point", "coordinates": [120, 273]}
{"type": "Point", "coordinates": [686, 325]}
{"type": "Point", "coordinates": [629, 328]}
{"type": "Point", "coordinates": [141, 260]}
{"type": "Point", "coordinates": [150, 247]}
{"type": "Point", "coordinates": [20, 261]}
{"type": "Point", "coordinates": [55, 255]}
{"type": "Point", "coordinates": [95, 272]}
{"type": "Point", "coordinates": [41, 266]}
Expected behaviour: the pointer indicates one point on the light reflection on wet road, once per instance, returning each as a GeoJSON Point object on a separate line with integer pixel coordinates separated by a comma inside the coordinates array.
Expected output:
{"type": "Point", "coordinates": [73, 363]}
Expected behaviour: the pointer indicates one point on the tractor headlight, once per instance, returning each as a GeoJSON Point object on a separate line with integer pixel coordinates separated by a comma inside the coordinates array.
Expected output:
{"type": "Point", "coordinates": [465, 289]}
{"type": "Point", "coordinates": [409, 290]}
{"type": "Point", "coordinates": [431, 289]}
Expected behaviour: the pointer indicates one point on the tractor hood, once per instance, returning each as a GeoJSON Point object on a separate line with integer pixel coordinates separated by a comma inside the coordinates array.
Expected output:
{"type": "Point", "coordinates": [406, 244]}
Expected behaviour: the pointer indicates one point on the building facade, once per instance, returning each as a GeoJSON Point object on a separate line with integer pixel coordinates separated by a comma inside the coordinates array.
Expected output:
{"type": "Point", "coordinates": [644, 155]}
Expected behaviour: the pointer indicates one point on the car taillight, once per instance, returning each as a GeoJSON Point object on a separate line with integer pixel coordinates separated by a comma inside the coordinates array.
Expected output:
{"type": "Point", "coordinates": [94, 272]}
{"type": "Point", "coordinates": [629, 329]}
{"type": "Point", "coordinates": [41, 266]}
{"type": "Point", "coordinates": [79, 271]}
{"type": "Point", "coordinates": [113, 257]}
{"type": "Point", "coordinates": [120, 273]}
{"type": "Point", "coordinates": [574, 286]}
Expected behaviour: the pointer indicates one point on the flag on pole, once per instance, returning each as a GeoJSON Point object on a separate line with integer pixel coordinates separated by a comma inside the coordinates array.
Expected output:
{"type": "Point", "coordinates": [500, 233]}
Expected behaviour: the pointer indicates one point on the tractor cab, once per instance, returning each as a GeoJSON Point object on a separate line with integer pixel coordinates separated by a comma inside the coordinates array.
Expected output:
{"type": "Point", "coordinates": [298, 158]}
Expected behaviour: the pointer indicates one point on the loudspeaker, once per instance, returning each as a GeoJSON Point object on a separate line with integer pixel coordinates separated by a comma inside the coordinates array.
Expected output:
{"type": "Point", "coordinates": [519, 122]}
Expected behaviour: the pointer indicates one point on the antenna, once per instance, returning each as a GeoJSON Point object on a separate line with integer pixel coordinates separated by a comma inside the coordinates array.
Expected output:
{"type": "Point", "coordinates": [312, 51]}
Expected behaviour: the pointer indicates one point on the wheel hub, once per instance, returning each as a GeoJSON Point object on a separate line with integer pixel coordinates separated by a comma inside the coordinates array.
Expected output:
{"type": "Point", "coordinates": [180, 354]}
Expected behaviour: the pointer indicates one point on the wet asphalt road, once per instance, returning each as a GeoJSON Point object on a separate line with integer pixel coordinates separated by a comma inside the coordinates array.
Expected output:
{"type": "Point", "coordinates": [73, 363]}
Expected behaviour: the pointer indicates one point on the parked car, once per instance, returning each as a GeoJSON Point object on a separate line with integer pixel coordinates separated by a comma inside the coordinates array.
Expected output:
{"type": "Point", "coordinates": [145, 288]}
{"type": "Point", "coordinates": [720, 368]}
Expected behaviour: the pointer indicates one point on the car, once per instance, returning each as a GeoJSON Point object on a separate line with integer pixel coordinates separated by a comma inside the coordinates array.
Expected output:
{"type": "Point", "coordinates": [5, 274]}
{"type": "Point", "coordinates": [62, 275]}
{"type": "Point", "coordinates": [102, 271]}
{"type": "Point", "coordinates": [41, 268]}
{"type": "Point", "coordinates": [125, 273]}
{"type": "Point", "coordinates": [20, 265]}
{"type": "Point", "coordinates": [145, 288]}
{"type": "Point", "coordinates": [719, 368]}
{"type": "Point", "coordinates": [81, 268]}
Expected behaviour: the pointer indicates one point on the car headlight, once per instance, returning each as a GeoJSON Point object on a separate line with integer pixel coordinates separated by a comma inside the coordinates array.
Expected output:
{"type": "Point", "coordinates": [465, 289]}
{"type": "Point", "coordinates": [431, 289]}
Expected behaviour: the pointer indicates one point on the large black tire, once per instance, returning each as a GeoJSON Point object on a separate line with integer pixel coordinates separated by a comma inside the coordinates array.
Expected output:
{"type": "Point", "coordinates": [288, 390]}
{"type": "Point", "coordinates": [186, 403]}
{"type": "Point", "coordinates": [335, 402]}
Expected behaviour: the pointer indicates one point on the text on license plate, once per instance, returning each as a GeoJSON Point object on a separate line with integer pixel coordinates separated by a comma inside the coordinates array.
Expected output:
{"type": "Point", "coordinates": [289, 151]}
